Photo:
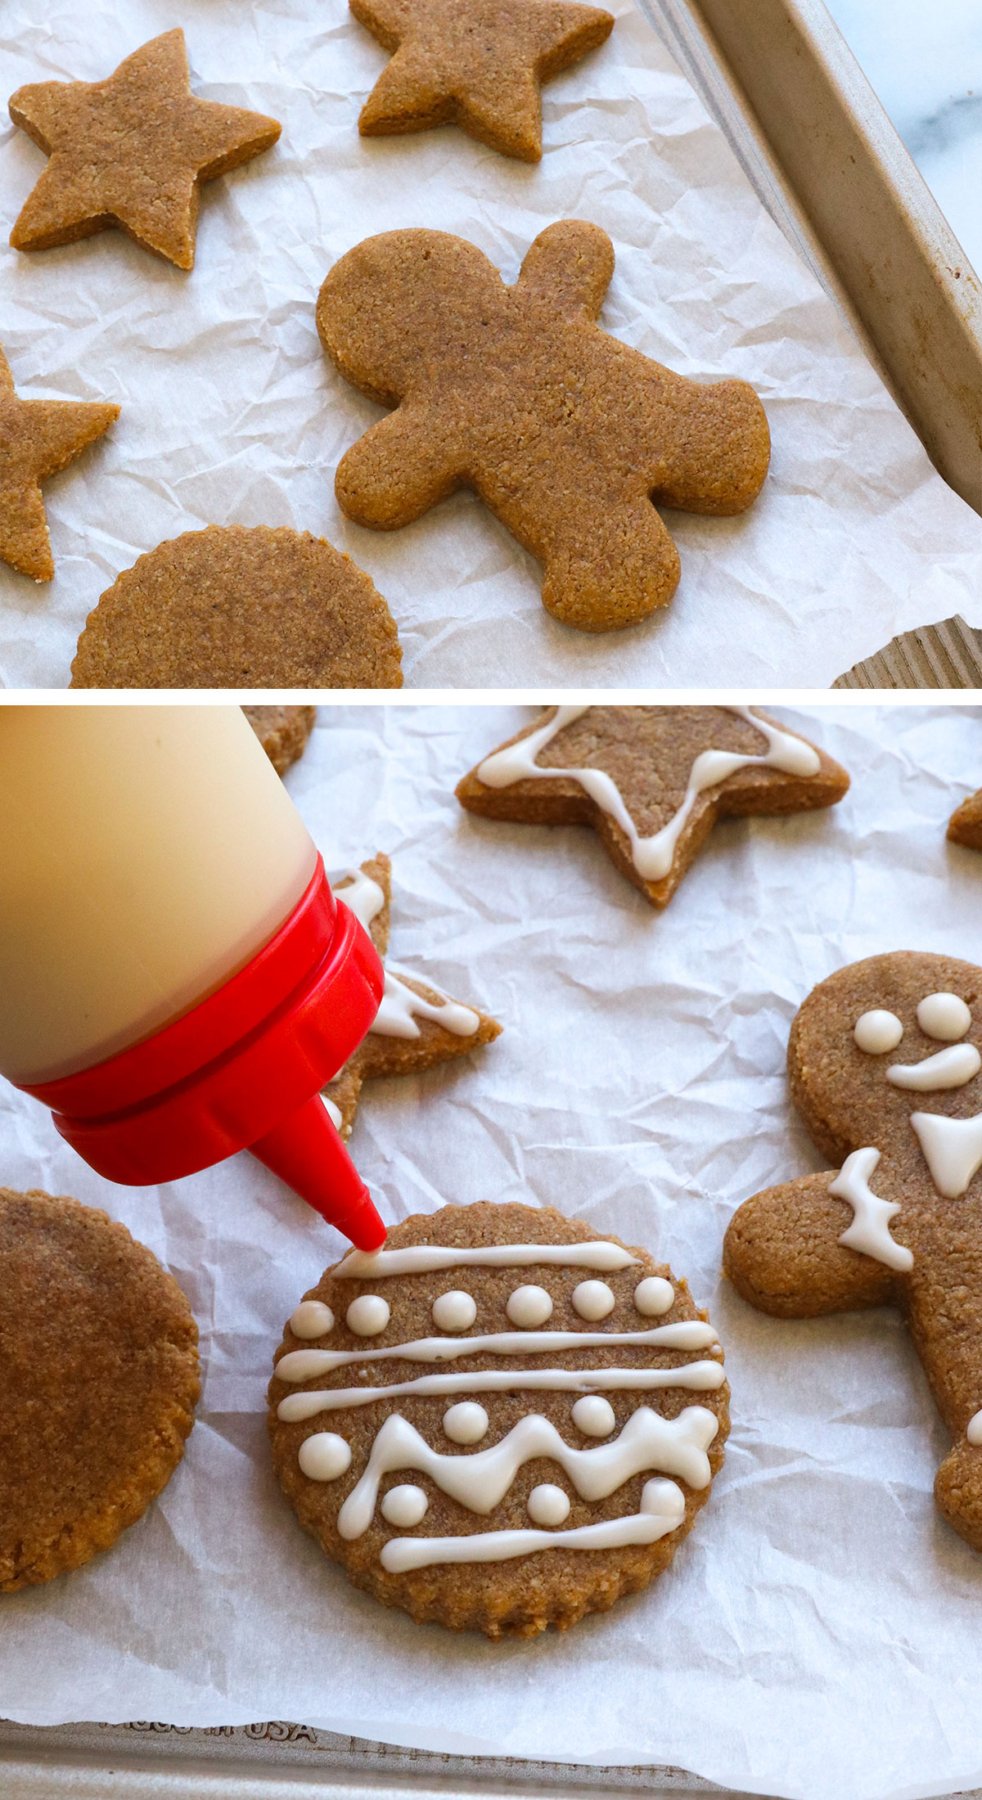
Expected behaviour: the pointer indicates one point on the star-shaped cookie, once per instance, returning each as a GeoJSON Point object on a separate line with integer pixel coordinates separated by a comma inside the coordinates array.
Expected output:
{"type": "Point", "coordinates": [417, 1025]}
{"type": "Point", "coordinates": [283, 731]}
{"type": "Point", "coordinates": [130, 151]}
{"type": "Point", "coordinates": [651, 780]}
{"type": "Point", "coordinates": [965, 824]}
{"type": "Point", "coordinates": [37, 438]}
{"type": "Point", "coordinates": [478, 64]}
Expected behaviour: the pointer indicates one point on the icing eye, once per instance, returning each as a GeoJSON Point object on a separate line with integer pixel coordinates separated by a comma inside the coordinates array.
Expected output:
{"type": "Point", "coordinates": [547, 1504]}
{"type": "Point", "coordinates": [944, 1017]}
{"type": "Point", "coordinates": [368, 1315]}
{"type": "Point", "coordinates": [465, 1423]}
{"type": "Point", "coordinates": [455, 1311]}
{"type": "Point", "coordinates": [877, 1032]}
{"type": "Point", "coordinates": [312, 1319]}
{"type": "Point", "coordinates": [594, 1416]}
{"type": "Point", "coordinates": [404, 1505]}
{"type": "Point", "coordinates": [529, 1306]}
{"type": "Point", "coordinates": [653, 1296]}
{"type": "Point", "coordinates": [324, 1456]}
{"type": "Point", "coordinates": [593, 1300]}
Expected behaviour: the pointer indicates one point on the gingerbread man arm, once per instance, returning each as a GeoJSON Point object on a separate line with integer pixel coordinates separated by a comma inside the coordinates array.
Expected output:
{"type": "Point", "coordinates": [782, 1253]}
{"type": "Point", "coordinates": [397, 471]}
{"type": "Point", "coordinates": [568, 268]}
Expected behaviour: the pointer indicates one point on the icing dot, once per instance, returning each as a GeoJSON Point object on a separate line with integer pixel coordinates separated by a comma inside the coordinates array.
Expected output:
{"type": "Point", "coordinates": [529, 1306]}
{"type": "Point", "coordinates": [324, 1456]}
{"type": "Point", "coordinates": [594, 1416]}
{"type": "Point", "coordinates": [368, 1315]}
{"type": "Point", "coordinates": [877, 1032]}
{"type": "Point", "coordinates": [455, 1311]}
{"type": "Point", "coordinates": [312, 1319]}
{"type": "Point", "coordinates": [944, 1016]}
{"type": "Point", "coordinates": [974, 1432]}
{"type": "Point", "coordinates": [548, 1505]}
{"type": "Point", "coordinates": [465, 1423]}
{"type": "Point", "coordinates": [593, 1300]}
{"type": "Point", "coordinates": [653, 1296]}
{"type": "Point", "coordinates": [404, 1505]}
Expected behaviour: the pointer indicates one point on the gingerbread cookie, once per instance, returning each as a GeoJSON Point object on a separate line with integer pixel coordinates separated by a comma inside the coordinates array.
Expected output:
{"type": "Point", "coordinates": [651, 780]}
{"type": "Point", "coordinates": [37, 438]}
{"type": "Point", "coordinates": [569, 436]}
{"type": "Point", "coordinates": [283, 731]}
{"type": "Point", "coordinates": [100, 1378]}
{"type": "Point", "coordinates": [233, 607]}
{"type": "Point", "coordinates": [478, 64]}
{"type": "Point", "coordinates": [884, 1064]}
{"type": "Point", "coordinates": [131, 151]}
{"type": "Point", "coordinates": [965, 824]}
{"type": "Point", "coordinates": [499, 1422]}
{"type": "Point", "coordinates": [416, 1025]}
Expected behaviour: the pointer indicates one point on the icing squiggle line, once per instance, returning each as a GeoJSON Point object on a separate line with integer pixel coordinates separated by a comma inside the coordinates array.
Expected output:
{"type": "Point", "coordinates": [869, 1231]}
{"type": "Point", "coordinates": [662, 1511]}
{"type": "Point", "coordinates": [699, 1376]}
{"type": "Point", "coordinates": [652, 856]}
{"type": "Point", "coordinates": [425, 1259]}
{"type": "Point", "coordinates": [685, 1334]}
{"type": "Point", "coordinates": [480, 1479]}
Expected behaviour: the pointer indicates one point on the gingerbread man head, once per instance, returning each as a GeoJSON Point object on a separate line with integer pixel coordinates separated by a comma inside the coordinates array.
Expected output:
{"type": "Point", "coordinates": [885, 1064]}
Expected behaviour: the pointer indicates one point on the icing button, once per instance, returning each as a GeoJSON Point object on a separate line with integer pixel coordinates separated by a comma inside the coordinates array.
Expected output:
{"type": "Point", "coordinates": [311, 1319]}
{"type": "Point", "coordinates": [593, 1300]}
{"type": "Point", "coordinates": [529, 1306]}
{"type": "Point", "coordinates": [653, 1296]}
{"type": "Point", "coordinates": [368, 1315]}
{"type": "Point", "coordinates": [405, 1505]}
{"type": "Point", "coordinates": [594, 1416]}
{"type": "Point", "coordinates": [547, 1504]}
{"type": "Point", "coordinates": [324, 1456]}
{"type": "Point", "coordinates": [465, 1423]}
{"type": "Point", "coordinates": [455, 1311]}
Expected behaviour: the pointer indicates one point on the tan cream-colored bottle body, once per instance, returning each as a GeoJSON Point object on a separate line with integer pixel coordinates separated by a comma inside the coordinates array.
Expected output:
{"type": "Point", "coordinates": [146, 854]}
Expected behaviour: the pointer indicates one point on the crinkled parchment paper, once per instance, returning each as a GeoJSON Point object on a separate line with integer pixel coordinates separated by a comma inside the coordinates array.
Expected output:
{"type": "Point", "coordinates": [231, 413]}
{"type": "Point", "coordinates": [818, 1634]}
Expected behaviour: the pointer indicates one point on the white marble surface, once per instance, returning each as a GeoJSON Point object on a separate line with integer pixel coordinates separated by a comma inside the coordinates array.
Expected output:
{"type": "Point", "coordinates": [925, 62]}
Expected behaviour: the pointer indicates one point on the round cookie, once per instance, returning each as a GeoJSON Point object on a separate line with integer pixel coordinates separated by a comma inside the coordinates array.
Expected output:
{"type": "Point", "coordinates": [283, 731]}
{"type": "Point", "coordinates": [234, 607]}
{"type": "Point", "coordinates": [477, 1433]}
{"type": "Point", "coordinates": [100, 1378]}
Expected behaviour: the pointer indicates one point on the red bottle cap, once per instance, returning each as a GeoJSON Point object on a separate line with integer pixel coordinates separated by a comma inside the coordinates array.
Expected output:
{"type": "Point", "coordinates": [243, 1070]}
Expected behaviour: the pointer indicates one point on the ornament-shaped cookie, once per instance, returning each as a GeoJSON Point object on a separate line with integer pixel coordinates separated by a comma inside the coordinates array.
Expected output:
{"type": "Point", "coordinates": [500, 1422]}
{"type": "Point", "coordinates": [884, 1063]}
{"type": "Point", "coordinates": [572, 438]}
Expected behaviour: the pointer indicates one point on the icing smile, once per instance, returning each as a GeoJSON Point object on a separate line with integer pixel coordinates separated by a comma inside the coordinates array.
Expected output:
{"type": "Point", "coordinates": [953, 1067]}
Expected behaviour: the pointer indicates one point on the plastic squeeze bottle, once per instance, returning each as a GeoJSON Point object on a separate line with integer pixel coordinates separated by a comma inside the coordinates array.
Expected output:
{"type": "Point", "coordinates": [177, 980]}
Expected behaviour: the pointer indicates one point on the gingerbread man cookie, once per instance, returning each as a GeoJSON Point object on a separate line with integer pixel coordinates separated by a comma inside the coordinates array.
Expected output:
{"type": "Point", "coordinates": [478, 64]}
{"type": "Point", "coordinates": [651, 780]}
{"type": "Point", "coordinates": [571, 437]}
{"type": "Point", "coordinates": [884, 1067]}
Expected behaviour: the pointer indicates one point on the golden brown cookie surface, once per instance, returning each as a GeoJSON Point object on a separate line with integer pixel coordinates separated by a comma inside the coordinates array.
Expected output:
{"type": "Point", "coordinates": [570, 437]}
{"type": "Point", "coordinates": [417, 1025]}
{"type": "Point", "coordinates": [283, 731]}
{"type": "Point", "coordinates": [478, 64]}
{"type": "Point", "coordinates": [234, 607]}
{"type": "Point", "coordinates": [529, 1480]}
{"type": "Point", "coordinates": [131, 151]}
{"type": "Point", "coordinates": [100, 1379]}
{"type": "Point", "coordinates": [885, 1066]}
{"type": "Point", "coordinates": [37, 438]}
{"type": "Point", "coordinates": [965, 824]}
{"type": "Point", "coordinates": [651, 780]}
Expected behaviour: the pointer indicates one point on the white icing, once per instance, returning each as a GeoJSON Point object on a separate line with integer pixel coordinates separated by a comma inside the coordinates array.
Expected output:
{"type": "Point", "coordinates": [366, 1317]}
{"type": "Point", "coordinates": [547, 1504]}
{"type": "Point", "coordinates": [662, 1511]}
{"type": "Point", "coordinates": [465, 1423]}
{"type": "Point", "coordinates": [952, 1150]}
{"type": "Point", "coordinates": [877, 1032]}
{"type": "Point", "coordinates": [455, 1311]}
{"type": "Point", "coordinates": [311, 1319]}
{"type": "Point", "coordinates": [481, 1479]}
{"type": "Point", "coordinates": [401, 1008]}
{"type": "Point", "coordinates": [950, 1068]}
{"type": "Point", "coordinates": [593, 1300]}
{"type": "Point", "coordinates": [324, 1456]}
{"type": "Point", "coordinates": [423, 1259]}
{"type": "Point", "coordinates": [529, 1306]}
{"type": "Point", "coordinates": [974, 1430]}
{"type": "Point", "coordinates": [594, 1416]}
{"type": "Point", "coordinates": [405, 1505]}
{"type": "Point", "coordinates": [302, 1365]}
{"type": "Point", "coordinates": [333, 1112]}
{"type": "Point", "coordinates": [869, 1231]}
{"type": "Point", "coordinates": [653, 1296]}
{"type": "Point", "coordinates": [944, 1016]}
{"type": "Point", "coordinates": [701, 1377]}
{"type": "Point", "coordinates": [652, 856]}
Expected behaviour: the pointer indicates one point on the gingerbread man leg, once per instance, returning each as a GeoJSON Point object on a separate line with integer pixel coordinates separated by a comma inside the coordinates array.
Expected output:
{"type": "Point", "coordinates": [606, 566]}
{"type": "Point", "coordinates": [945, 1307]}
{"type": "Point", "coordinates": [782, 1253]}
